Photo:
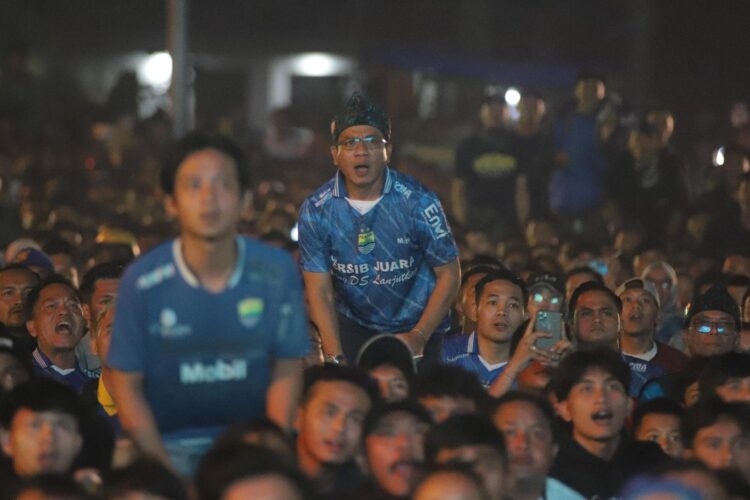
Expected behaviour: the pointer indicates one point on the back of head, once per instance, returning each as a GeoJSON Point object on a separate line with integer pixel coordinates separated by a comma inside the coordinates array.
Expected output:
{"type": "Point", "coordinates": [470, 429]}
{"type": "Point", "coordinates": [145, 476]}
{"type": "Point", "coordinates": [450, 381]}
{"type": "Point", "coordinates": [220, 468]}
{"type": "Point", "coordinates": [42, 395]}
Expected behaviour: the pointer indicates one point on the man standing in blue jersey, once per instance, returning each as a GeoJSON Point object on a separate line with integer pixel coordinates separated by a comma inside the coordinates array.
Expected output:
{"type": "Point", "coordinates": [376, 251]}
{"type": "Point", "coordinates": [210, 327]}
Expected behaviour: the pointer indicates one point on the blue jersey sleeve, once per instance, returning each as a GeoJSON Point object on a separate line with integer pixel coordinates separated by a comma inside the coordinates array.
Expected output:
{"type": "Point", "coordinates": [313, 246]}
{"type": "Point", "coordinates": [127, 348]}
{"type": "Point", "coordinates": [433, 232]}
{"type": "Point", "coordinates": [292, 339]}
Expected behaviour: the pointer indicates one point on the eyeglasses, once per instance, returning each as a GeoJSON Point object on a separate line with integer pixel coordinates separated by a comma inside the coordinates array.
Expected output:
{"type": "Point", "coordinates": [370, 142]}
{"type": "Point", "coordinates": [539, 298]}
{"type": "Point", "coordinates": [721, 327]}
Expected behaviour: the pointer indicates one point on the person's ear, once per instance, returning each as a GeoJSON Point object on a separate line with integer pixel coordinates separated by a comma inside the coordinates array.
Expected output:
{"type": "Point", "coordinates": [31, 328]}
{"type": "Point", "coordinates": [5, 442]}
{"type": "Point", "coordinates": [335, 155]}
{"type": "Point", "coordinates": [170, 206]}
{"type": "Point", "coordinates": [387, 152]}
{"type": "Point", "coordinates": [563, 409]}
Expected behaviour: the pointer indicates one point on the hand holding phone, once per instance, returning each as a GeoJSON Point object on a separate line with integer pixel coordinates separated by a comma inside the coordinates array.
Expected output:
{"type": "Point", "coordinates": [548, 322]}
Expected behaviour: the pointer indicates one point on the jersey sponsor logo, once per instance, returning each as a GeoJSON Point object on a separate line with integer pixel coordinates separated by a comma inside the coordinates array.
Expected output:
{"type": "Point", "coordinates": [155, 277]}
{"type": "Point", "coordinates": [250, 311]}
{"type": "Point", "coordinates": [366, 241]}
{"type": "Point", "coordinates": [168, 326]}
{"type": "Point", "coordinates": [387, 266]}
{"type": "Point", "coordinates": [434, 217]}
{"type": "Point", "coordinates": [209, 373]}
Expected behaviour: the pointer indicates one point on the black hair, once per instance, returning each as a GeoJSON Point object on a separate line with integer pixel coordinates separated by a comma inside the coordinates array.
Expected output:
{"type": "Point", "coordinates": [719, 369]}
{"type": "Point", "coordinates": [50, 486]}
{"type": "Point", "coordinates": [589, 74]}
{"type": "Point", "coordinates": [409, 406]}
{"type": "Point", "coordinates": [339, 373]}
{"type": "Point", "coordinates": [39, 395]}
{"type": "Point", "coordinates": [482, 260]}
{"type": "Point", "coordinates": [221, 468]}
{"type": "Point", "coordinates": [583, 270]}
{"type": "Point", "coordinates": [450, 381]}
{"type": "Point", "coordinates": [262, 425]}
{"type": "Point", "coordinates": [36, 292]}
{"type": "Point", "coordinates": [103, 271]}
{"type": "Point", "coordinates": [657, 406]}
{"type": "Point", "coordinates": [542, 405]}
{"type": "Point", "coordinates": [58, 245]}
{"type": "Point", "coordinates": [592, 286]}
{"type": "Point", "coordinates": [146, 475]}
{"type": "Point", "coordinates": [705, 413]}
{"type": "Point", "coordinates": [197, 141]}
{"type": "Point", "coordinates": [574, 366]}
{"type": "Point", "coordinates": [463, 430]}
{"type": "Point", "coordinates": [502, 275]}
{"type": "Point", "coordinates": [478, 269]}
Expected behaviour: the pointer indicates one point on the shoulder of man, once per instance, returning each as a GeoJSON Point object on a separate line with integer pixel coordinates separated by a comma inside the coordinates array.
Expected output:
{"type": "Point", "coordinates": [320, 196]}
{"type": "Point", "coordinates": [152, 268]}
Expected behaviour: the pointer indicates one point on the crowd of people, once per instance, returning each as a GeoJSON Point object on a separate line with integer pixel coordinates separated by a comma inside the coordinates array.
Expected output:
{"type": "Point", "coordinates": [566, 317]}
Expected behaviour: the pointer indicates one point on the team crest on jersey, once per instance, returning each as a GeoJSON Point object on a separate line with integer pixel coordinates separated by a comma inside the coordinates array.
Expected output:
{"type": "Point", "coordinates": [250, 311]}
{"type": "Point", "coordinates": [366, 241]}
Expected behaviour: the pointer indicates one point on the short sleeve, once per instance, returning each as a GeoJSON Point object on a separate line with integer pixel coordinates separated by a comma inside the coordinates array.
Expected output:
{"type": "Point", "coordinates": [292, 339]}
{"type": "Point", "coordinates": [314, 251]}
{"type": "Point", "coordinates": [433, 232]}
{"type": "Point", "coordinates": [127, 348]}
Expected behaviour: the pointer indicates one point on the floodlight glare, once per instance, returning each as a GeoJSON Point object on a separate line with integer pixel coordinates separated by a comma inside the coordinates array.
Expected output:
{"type": "Point", "coordinates": [512, 96]}
{"type": "Point", "coordinates": [156, 70]}
{"type": "Point", "coordinates": [718, 157]}
{"type": "Point", "coordinates": [316, 64]}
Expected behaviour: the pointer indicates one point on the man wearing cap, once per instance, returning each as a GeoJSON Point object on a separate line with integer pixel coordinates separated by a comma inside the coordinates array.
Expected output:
{"type": "Point", "coordinates": [376, 251]}
{"type": "Point", "coordinates": [546, 293]}
{"type": "Point", "coordinates": [712, 323]}
{"type": "Point", "coordinates": [640, 317]}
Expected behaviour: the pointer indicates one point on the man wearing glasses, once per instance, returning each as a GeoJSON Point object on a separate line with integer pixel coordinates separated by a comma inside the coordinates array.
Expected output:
{"type": "Point", "coordinates": [712, 324]}
{"type": "Point", "coordinates": [376, 251]}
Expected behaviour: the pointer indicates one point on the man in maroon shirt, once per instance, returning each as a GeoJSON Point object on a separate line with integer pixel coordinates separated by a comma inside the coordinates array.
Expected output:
{"type": "Point", "coordinates": [640, 318]}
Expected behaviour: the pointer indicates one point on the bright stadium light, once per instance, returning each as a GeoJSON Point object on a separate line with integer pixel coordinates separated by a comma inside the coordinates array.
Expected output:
{"type": "Point", "coordinates": [156, 70]}
{"type": "Point", "coordinates": [718, 157]}
{"type": "Point", "coordinates": [512, 96]}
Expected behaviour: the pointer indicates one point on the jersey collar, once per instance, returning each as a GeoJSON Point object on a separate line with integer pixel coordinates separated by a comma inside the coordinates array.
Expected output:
{"type": "Point", "coordinates": [339, 184]}
{"type": "Point", "coordinates": [192, 280]}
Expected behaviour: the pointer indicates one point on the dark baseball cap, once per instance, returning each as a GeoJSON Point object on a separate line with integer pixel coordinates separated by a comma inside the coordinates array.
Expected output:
{"type": "Point", "coordinates": [716, 298]}
{"type": "Point", "coordinates": [546, 279]}
{"type": "Point", "coordinates": [387, 349]}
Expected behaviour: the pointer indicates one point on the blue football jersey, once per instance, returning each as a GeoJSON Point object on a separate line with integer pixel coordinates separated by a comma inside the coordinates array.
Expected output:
{"type": "Point", "coordinates": [463, 351]}
{"type": "Point", "coordinates": [381, 261]}
{"type": "Point", "coordinates": [206, 357]}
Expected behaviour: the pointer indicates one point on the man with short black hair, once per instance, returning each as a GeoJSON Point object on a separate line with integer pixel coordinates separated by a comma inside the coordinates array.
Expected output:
{"type": "Point", "coordinates": [500, 304]}
{"type": "Point", "coordinates": [528, 425]}
{"type": "Point", "coordinates": [394, 449]}
{"type": "Point", "coordinates": [335, 401]}
{"type": "Point", "coordinates": [718, 434]}
{"type": "Point", "coordinates": [448, 390]}
{"type": "Point", "coordinates": [598, 457]}
{"type": "Point", "coordinates": [473, 440]}
{"type": "Point", "coordinates": [16, 281]}
{"type": "Point", "coordinates": [210, 327]}
{"type": "Point", "coordinates": [40, 429]}
{"type": "Point", "coordinates": [98, 289]}
{"type": "Point", "coordinates": [56, 322]}
{"type": "Point", "coordinates": [726, 377]}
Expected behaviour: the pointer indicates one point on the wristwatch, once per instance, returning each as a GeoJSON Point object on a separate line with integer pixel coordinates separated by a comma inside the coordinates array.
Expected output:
{"type": "Point", "coordinates": [337, 359]}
